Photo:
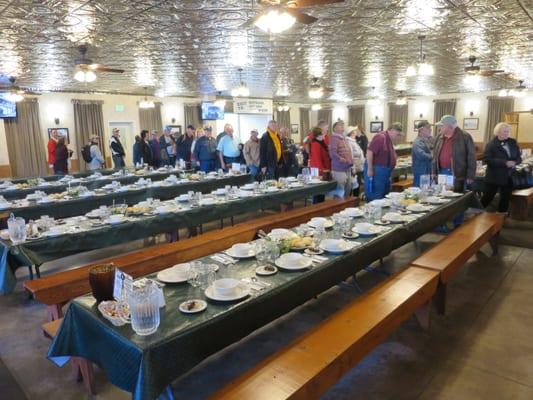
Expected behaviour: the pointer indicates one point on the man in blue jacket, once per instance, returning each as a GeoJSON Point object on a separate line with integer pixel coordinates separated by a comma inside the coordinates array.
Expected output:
{"type": "Point", "coordinates": [422, 155]}
{"type": "Point", "coordinates": [205, 151]}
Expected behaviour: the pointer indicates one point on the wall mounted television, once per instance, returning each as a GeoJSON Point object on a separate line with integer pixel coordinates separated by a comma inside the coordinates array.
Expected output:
{"type": "Point", "coordinates": [211, 111]}
{"type": "Point", "coordinates": [8, 109]}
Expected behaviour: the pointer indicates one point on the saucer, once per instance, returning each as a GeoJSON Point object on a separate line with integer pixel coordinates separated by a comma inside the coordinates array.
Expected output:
{"type": "Point", "coordinates": [266, 270]}
{"type": "Point", "coordinates": [192, 306]}
{"type": "Point", "coordinates": [242, 291]}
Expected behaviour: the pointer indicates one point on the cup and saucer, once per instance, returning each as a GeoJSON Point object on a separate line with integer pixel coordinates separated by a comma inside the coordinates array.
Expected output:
{"type": "Point", "coordinates": [227, 289]}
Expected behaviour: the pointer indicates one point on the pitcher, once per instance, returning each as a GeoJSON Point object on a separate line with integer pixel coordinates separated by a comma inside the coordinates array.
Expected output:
{"type": "Point", "coordinates": [144, 309]}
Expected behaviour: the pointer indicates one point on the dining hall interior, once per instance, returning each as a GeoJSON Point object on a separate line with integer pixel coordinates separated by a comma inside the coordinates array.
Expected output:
{"type": "Point", "coordinates": [266, 199]}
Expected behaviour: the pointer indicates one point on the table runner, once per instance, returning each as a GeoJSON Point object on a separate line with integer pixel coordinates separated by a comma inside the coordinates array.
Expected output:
{"type": "Point", "coordinates": [146, 365]}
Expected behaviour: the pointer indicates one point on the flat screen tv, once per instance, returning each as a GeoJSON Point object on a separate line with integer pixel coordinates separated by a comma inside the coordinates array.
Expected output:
{"type": "Point", "coordinates": [8, 109]}
{"type": "Point", "coordinates": [211, 111]}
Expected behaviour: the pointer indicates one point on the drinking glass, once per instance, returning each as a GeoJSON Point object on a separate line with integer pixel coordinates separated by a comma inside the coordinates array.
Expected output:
{"type": "Point", "coordinates": [102, 281]}
{"type": "Point", "coordinates": [261, 253]}
{"type": "Point", "coordinates": [320, 234]}
{"type": "Point", "coordinates": [144, 309]}
{"type": "Point", "coordinates": [376, 213]}
{"type": "Point", "coordinates": [306, 173]}
{"type": "Point", "coordinates": [243, 169]}
{"type": "Point", "coordinates": [17, 229]}
{"type": "Point", "coordinates": [272, 251]}
{"type": "Point", "coordinates": [425, 181]}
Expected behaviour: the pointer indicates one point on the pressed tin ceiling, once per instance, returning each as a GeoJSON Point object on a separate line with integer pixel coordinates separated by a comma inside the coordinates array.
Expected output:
{"type": "Point", "coordinates": [194, 47]}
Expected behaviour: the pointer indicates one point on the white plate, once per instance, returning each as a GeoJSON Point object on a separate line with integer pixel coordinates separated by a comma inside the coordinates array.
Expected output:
{"type": "Point", "coordinates": [367, 229]}
{"type": "Point", "coordinates": [208, 202]}
{"type": "Point", "coordinates": [272, 189]}
{"type": "Point", "coordinates": [337, 245]}
{"type": "Point", "coordinates": [327, 222]}
{"type": "Point", "coordinates": [53, 233]}
{"type": "Point", "coordinates": [395, 218]}
{"type": "Point", "coordinates": [293, 261]}
{"type": "Point", "coordinates": [248, 186]}
{"type": "Point", "coordinates": [281, 233]}
{"type": "Point", "coordinates": [242, 291]}
{"type": "Point", "coordinates": [245, 193]}
{"type": "Point", "coordinates": [314, 181]}
{"type": "Point", "coordinates": [435, 200]}
{"type": "Point", "coordinates": [183, 198]}
{"type": "Point", "coordinates": [417, 208]}
{"type": "Point", "coordinates": [295, 185]}
{"type": "Point", "coordinates": [450, 194]}
{"type": "Point", "coordinates": [199, 306]}
{"type": "Point", "coordinates": [352, 212]}
{"type": "Point", "coordinates": [219, 192]}
{"type": "Point", "coordinates": [314, 253]}
{"type": "Point", "coordinates": [264, 272]}
{"type": "Point", "coordinates": [231, 253]}
{"type": "Point", "coordinates": [176, 274]}
{"type": "Point", "coordinates": [3, 206]}
{"type": "Point", "coordinates": [108, 221]}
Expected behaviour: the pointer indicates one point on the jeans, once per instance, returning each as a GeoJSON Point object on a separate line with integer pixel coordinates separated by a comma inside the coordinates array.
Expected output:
{"type": "Point", "coordinates": [272, 173]}
{"type": "Point", "coordinates": [344, 183]}
{"type": "Point", "coordinates": [378, 186]}
{"type": "Point", "coordinates": [118, 161]}
{"type": "Point", "coordinates": [254, 170]}
{"type": "Point", "coordinates": [207, 165]}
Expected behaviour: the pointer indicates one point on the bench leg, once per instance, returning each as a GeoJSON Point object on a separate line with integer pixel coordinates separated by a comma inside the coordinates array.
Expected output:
{"type": "Point", "coordinates": [440, 298]}
{"type": "Point", "coordinates": [423, 316]}
{"type": "Point", "coordinates": [84, 370]}
{"type": "Point", "coordinates": [494, 243]}
{"type": "Point", "coordinates": [55, 311]}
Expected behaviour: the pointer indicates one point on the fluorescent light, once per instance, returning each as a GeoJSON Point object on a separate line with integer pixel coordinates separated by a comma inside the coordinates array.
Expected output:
{"type": "Point", "coordinates": [316, 93]}
{"type": "Point", "coordinates": [275, 21]}
{"type": "Point", "coordinates": [316, 107]}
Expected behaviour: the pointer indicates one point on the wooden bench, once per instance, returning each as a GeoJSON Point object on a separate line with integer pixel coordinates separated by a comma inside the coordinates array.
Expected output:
{"type": "Point", "coordinates": [521, 201]}
{"type": "Point", "coordinates": [83, 369]}
{"type": "Point", "coordinates": [452, 252]}
{"type": "Point", "coordinates": [400, 186]}
{"type": "Point", "coordinates": [57, 289]}
{"type": "Point", "coordinates": [307, 367]}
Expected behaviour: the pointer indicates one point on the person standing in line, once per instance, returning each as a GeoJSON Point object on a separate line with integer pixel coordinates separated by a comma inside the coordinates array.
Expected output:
{"type": "Point", "coordinates": [358, 159]}
{"type": "Point", "coordinates": [154, 147]}
{"type": "Point", "coordinates": [421, 154]}
{"type": "Point", "coordinates": [184, 144]}
{"type": "Point", "coordinates": [145, 150]}
{"type": "Point", "coordinates": [361, 138]}
{"type": "Point", "coordinates": [51, 147]}
{"type": "Point", "coordinates": [380, 161]}
{"type": "Point", "coordinates": [137, 151]}
{"type": "Point", "coordinates": [61, 156]}
{"type": "Point", "coordinates": [341, 161]}
{"type": "Point", "coordinates": [288, 148]}
{"type": "Point", "coordinates": [251, 153]}
{"type": "Point", "coordinates": [167, 148]}
{"type": "Point", "coordinates": [319, 156]}
{"type": "Point", "coordinates": [205, 151]}
{"type": "Point", "coordinates": [97, 159]}
{"type": "Point", "coordinates": [270, 153]}
{"type": "Point", "coordinates": [117, 150]}
{"type": "Point", "coordinates": [502, 154]}
{"type": "Point", "coordinates": [228, 149]}
{"type": "Point", "coordinates": [200, 132]}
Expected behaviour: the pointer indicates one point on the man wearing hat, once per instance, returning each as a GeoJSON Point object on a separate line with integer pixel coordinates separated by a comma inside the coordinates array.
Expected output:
{"type": "Point", "coordinates": [205, 150]}
{"type": "Point", "coordinates": [251, 152]}
{"type": "Point", "coordinates": [421, 153]}
{"type": "Point", "coordinates": [380, 161]}
{"type": "Point", "coordinates": [454, 153]}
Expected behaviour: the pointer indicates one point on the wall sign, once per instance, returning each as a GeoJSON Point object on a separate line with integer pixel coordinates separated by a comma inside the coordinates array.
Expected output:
{"type": "Point", "coordinates": [119, 107]}
{"type": "Point", "coordinates": [252, 106]}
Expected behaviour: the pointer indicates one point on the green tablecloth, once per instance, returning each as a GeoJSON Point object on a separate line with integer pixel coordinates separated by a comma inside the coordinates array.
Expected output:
{"type": "Point", "coordinates": [39, 251]}
{"type": "Point", "coordinates": [80, 206]}
{"type": "Point", "coordinates": [146, 365]}
{"type": "Point", "coordinates": [53, 177]}
{"type": "Point", "coordinates": [403, 150]}
{"type": "Point", "coordinates": [57, 187]}
{"type": "Point", "coordinates": [401, 171]}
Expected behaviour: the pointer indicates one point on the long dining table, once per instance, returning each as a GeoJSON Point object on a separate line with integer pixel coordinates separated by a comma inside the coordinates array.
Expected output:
{"type": "Point", "coordinates": [129, 195]}
{"type": "Point", "coordinates": [84, 236]}
{"type": "Point", "coordinates": [145, 365]}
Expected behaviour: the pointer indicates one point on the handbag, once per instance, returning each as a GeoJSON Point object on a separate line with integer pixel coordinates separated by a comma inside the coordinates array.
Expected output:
{"type": "Point", "coordinates": [522, 179]}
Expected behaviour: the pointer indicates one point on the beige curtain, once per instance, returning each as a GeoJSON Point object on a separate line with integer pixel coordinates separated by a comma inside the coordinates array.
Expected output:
{"type": "Point", "coordinates": [150, 118]}
{"type": "Point", "coordinates": [497, 107]}
{"type": "Point", "coordinates": [356, 115]}
{"type": "Point", "coordinates": [192, 113]}
{"type": "Point", "coordinates": [325, 115]}
{"type": "Point", "coordinates": [304, 123]}
{"type": "Point", "coordinates": [284, 119]}
{"type": "Point", "coordinates": [88, 121]}
{"type": "Point", "coordinates": [443, 107]}
{"type": "Point", "coordinates": [399, 114]}
{"type": "Point", "coordinates": [25, 145]}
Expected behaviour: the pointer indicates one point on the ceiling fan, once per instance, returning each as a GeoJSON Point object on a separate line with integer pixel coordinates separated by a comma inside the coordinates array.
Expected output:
{"type": "Point", "coordinates": [280, 15]}
{"type": "Point", "coordinates": [401, 100]}
{"type": "Point", "coordinates": [316, 91]}
{"type": "Point", "coordinates": [85, 68]}
{"type": "Point", "coordinates": [14, 92]}
{"type": "Point", "coordinates": [476, 69]}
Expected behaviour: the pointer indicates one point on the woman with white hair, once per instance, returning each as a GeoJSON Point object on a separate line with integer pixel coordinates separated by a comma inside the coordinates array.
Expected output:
{"type": "Point", "coordinates": [502, 154]}
{"type": "Point", "coordinates": [358, 158]}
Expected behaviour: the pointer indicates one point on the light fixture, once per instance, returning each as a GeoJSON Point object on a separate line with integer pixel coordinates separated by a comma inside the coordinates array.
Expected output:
{"type": "Point", "coordinates": [220, 101]}
{"type": "Point", "coordinates": [401, 100]}
{"type": "Point", "coordinates": [316, 107]}
{"type": "Point", "coordinates": [422, 68]}
{"type": "Point", "coordinates": [316, 93]}
{"type": "Point", "coordinates": [56, 120]}
{"type": "Point", "coordinates": [241, 90]}
{"type": "Point", "coordinates": [275, 20]}
{"type": "Point", "coordinates": [14, 97]}
{"type": "Point", "coordinates": [146, 103]}
{"type": "Point", "coordinates": [85, 76]}
{"type": "Point", "coordinates": [283, 107]}
{"type": "Point", "coordinates": [518, 92]}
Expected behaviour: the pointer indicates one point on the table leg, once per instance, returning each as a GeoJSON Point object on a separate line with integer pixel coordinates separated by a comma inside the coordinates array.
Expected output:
{"type": "Point", "coordinates": [440, 298]}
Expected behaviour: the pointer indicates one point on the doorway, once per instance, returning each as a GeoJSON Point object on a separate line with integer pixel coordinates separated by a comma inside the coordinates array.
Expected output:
{"type": "Point", "coordinates": [127, 138]}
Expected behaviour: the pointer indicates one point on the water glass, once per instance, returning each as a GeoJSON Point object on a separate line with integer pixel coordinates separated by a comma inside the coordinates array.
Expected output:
{"type": "Point", "coordinates": [425, 181]}
{"type": "Point", "coordinates": [272, 250]}
{"type": "Point", "coordinates": [243, 169]}
{"type": "Point", "coordinates": [144, 309]}
{"type": "Point", "coordinates": [17, 229]}
{"type": "Point", "coordinates": [376, 213]}
{"type": "Point", "coordinates": [261, 251]}
{"type": "Point", "coordinates": [201, 275]}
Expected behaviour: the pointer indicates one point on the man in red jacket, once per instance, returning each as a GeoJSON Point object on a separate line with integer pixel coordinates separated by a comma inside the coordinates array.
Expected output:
{"type": "Point", "coordinates": [51, 146]}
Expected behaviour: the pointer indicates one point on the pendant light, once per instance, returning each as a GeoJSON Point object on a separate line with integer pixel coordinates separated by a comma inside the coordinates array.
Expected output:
{"type": "Point", "coordinates": [241, 90]}
{"type": "Point", "coordinates": [146, 103]}
{"type": "Point", "coordinates": [422, 68]}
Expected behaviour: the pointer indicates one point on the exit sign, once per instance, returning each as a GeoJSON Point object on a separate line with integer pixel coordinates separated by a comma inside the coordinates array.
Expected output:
{"type": "Point", "coordinates": [119, 107]}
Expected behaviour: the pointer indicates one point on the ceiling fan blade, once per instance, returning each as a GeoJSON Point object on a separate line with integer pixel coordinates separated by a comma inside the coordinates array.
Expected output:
{"type": "Point", "coordinates": [328, 89]}
{"type": "Point", "coordinates": [491, 72]}
{"type": "Point", "coordinates": [301, 17]}
{"type": "Point", "coordinates": [103, 68]}
{"type": "Point", "coordinates": [312, 3]}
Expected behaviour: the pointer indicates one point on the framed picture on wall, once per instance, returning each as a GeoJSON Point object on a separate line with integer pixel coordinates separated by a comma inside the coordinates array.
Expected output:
{"type": "Point", "coordinates": [174, 129]}
{"type": "Point", "coordinates": [60, 132]}
{"type": "Point", "coordinates": [376, 126]}
{"type": "Point", "coordinates": [294, 129]}
{"type": "Point", "coordinates": [471, 124]}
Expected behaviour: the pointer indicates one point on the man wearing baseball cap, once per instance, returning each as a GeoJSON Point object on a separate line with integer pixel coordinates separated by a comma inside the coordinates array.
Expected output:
{"type": "Point", "coordinates": [421, 153]}
{"type": "Point", "coordinates": [454, 153]}
{"type": "Point", "coordinates": [380, 161]}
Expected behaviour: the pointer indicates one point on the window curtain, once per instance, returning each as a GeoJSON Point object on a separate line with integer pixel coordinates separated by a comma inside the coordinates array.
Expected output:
{"type": "Point", "coordinates": [497, 107]}
{"type": "Point", "coordinates": [150, 118]}
{"type": "Point", "coordinates": [443, 107]}
{"type": "Point", "coordinates": [325, 115]}
{"type": "Point", "coordinates": [25, 145]}
{"type": "Point", "coordinates": [284, 119]}
{"type": "Point", "coordinates": [88, 121]}
{"type": "Point", "coordinates": [356, 116]}
{"type": "Point", "coordinates": [192, 113]}
{"type": "Point", "coordinates": [399, 114]}
{"type": "Point", "coordinates": [305, 125]}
